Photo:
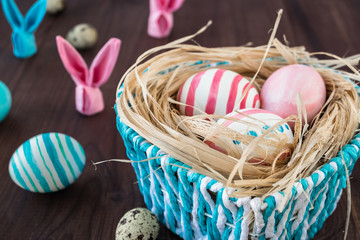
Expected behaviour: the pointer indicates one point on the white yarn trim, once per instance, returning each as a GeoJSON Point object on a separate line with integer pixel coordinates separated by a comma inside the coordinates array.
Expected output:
{"type": "Point", "coordinates": [308, 224]}
{"type": "Point", "coordinates": [221, 220]}
{"type": "Point", "coordinates": [259, 223]}
{"type": "Point", "coordinates": [321, 205]}
{"type": "Point", "coordinates": [164, 165]}
{"type": "Point", "coordinates": [216, 187]}
{"type": "Point", "coordinates": [278, 200]}
{"type": "Point", "coordinates": [321, 177]}
{"type": "Point", "coordinates": [152, 191]}
{"type": "Point", "coordinates": [283, 221]}
{"type": "Point", "coordinates": [334, 166]}
{"type": "Point", "coordinates": [269, 231]}
{"type": "Point", "coordinates": [204, 182]}
{"type": "Point", "coordinates": [246, 222]}
{"type": "Point", "coordinates": [302, 202]}
{"type": "Point", "coordinates": [195, 218]}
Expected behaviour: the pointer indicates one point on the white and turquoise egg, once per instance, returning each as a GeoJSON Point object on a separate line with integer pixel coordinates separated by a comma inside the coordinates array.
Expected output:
{"type": "Point", "coordinates": [5, 100]}
{"type": "Point", "coordinates": [47, 162]}
{"type": "Point", "coordinates": [254, 122]}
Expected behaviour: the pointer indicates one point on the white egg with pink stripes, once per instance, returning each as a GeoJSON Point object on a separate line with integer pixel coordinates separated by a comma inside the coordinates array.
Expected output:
{"type": "Point", "coordinates": [216, 91]}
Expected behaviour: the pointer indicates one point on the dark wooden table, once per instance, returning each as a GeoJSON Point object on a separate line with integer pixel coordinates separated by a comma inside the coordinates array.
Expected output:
{"type": "Point", "coordinates": [43, 101]}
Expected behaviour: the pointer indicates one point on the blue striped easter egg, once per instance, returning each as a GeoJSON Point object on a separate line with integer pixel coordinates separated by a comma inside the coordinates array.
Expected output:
{"type": "Point", "coordinates": [47, 162]}
{"type": "Point", "coordinates": [5, 100]}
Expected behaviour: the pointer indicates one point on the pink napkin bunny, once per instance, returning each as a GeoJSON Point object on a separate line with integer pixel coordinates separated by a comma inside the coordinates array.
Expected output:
{"type": "Point", "coordinates": [88, 97]}
{"type": "Point", "coordinates": [161, 17]}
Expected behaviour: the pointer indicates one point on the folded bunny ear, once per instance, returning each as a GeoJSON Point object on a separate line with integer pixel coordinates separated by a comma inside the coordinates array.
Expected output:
{"type": "Point", "coordinates": [104, 62]}
{"type": "Point", "coordinates": [161, 20]}
{"type": "Point", "coordinates": [174, 5]}
{"type": "Point", "coordinates": [34, 16]}
{"type": "Point", "coordinates": [12, 13]}
{"type": "Point", "coordinates": [72, 61]}
{"type": "Point", "coordinates": [165, 5]}
{"type": "Point", "coordinates": [160, 24]}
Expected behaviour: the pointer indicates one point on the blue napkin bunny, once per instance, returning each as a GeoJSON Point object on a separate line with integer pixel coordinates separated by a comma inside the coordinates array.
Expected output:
{"type": "Point", "coordinates": [22, 37]}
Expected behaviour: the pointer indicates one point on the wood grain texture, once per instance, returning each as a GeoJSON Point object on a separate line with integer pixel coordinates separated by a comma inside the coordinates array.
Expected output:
{"type": "Point", "coordinates": [43, 101]}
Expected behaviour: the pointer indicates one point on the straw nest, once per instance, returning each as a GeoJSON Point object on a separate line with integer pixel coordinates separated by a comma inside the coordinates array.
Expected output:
{"type": "Point", "coordinates": [148, 105]}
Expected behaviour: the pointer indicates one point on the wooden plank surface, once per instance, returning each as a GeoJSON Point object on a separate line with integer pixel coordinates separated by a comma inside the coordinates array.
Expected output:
{"type": "Point", "coordinates": [43, 101]}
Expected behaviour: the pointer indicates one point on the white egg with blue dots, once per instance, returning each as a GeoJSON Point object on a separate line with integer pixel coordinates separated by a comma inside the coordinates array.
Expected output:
{"type": "Point", "coordinates": [47, 162]}
{"type": "Point", "coordinates": [254, 122]}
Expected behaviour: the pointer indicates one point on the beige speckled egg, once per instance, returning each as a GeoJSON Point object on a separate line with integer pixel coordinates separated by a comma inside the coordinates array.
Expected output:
{"type": "Point", "coordinates": [82, 36]}
{"type": "Point", "coordinates": [55, 6]}
{"type": "Point", "coordinates": [138, 223]}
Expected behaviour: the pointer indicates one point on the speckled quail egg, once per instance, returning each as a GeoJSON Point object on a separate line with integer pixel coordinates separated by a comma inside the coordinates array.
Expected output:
{"type": "Point", "coordinates": [138, 223]}
{"type": "Point", "coordinates": [55, 6]}
{"type": "Point", "coordinates": [82, 36]}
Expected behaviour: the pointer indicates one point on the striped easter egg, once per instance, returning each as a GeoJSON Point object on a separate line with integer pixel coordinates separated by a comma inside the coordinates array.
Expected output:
{"type": "Point", "coordinates": [47, 162]}
{"type": "Point", "coordinates": [216, 91]}
{"type": "Point", "coordinates": [254, 122]}
{"type": "Point", "coordinates": [5, 101]}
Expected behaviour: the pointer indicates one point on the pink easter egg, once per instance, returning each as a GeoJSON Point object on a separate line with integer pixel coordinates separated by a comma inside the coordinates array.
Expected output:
{"type": "Point", "coordinates": [216, 91]}
{"type": "Point", "coordinates": [278, 94]}
{"type": "Point", "coordinates": [254, 122]}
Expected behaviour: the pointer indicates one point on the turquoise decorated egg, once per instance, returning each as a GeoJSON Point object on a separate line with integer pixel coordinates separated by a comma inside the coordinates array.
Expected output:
{"type": "Point", "coordinates": [253, 123]}
{"type": "Point", "coordinates": [47, 162]}
{"type": "Point", "coordinates": [5, 100]}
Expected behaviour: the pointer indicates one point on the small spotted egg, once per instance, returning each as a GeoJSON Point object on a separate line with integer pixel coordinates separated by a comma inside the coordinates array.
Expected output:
{"type": "Point", "coordinates": [138, 223]}
{"type": "Point", "coordinates": [55, 6]}
{"type": "Point", "coordinates": [82, 36]}
{"type": "Point", "coordinates": [5, 101]}
{"type": "Point", "coordinates": [47, 162]}
{"type": "Point", "coordinates": [254, 122]}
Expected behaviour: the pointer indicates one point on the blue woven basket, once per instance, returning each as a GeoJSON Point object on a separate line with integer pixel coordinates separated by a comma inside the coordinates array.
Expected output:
{"type": "Point", "coordinates": [195, 206]}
